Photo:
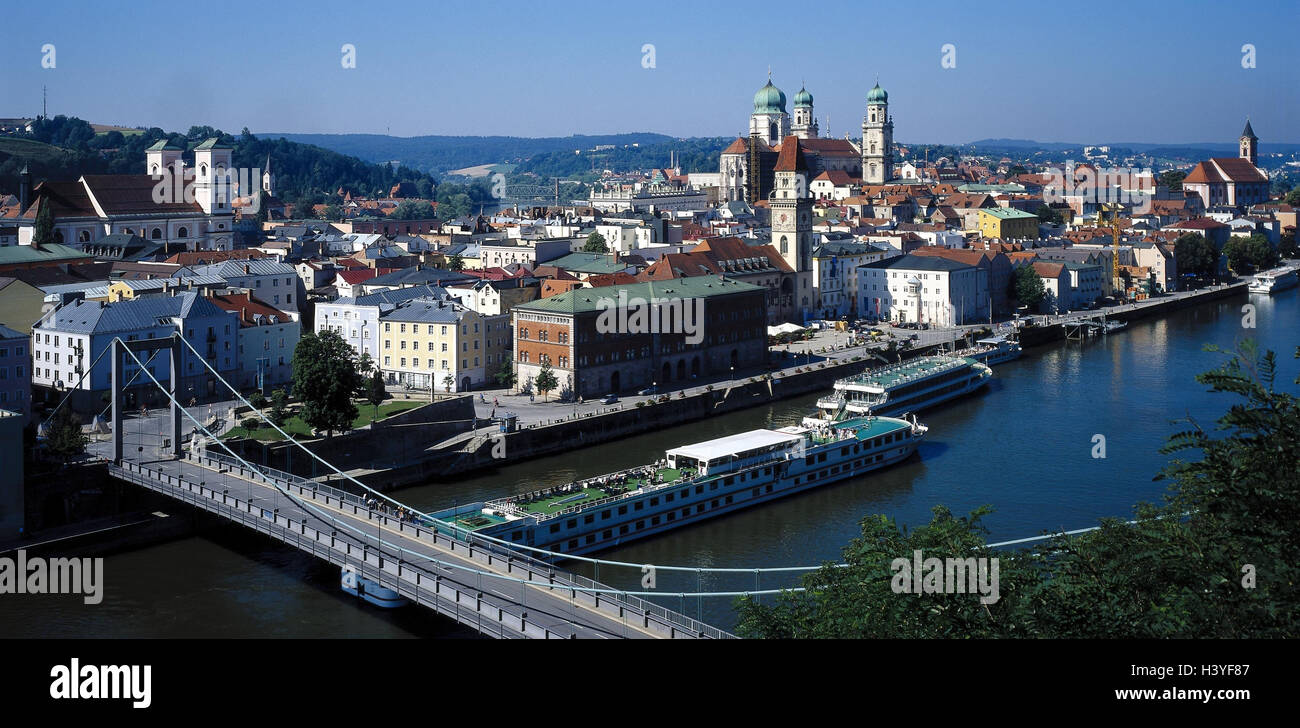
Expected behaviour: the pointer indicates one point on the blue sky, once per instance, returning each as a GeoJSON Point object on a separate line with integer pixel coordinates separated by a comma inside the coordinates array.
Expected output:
{"type": "Point", "coordinates": [1051, 71]}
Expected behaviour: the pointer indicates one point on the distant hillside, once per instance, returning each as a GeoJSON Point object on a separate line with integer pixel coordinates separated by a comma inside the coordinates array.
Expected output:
{"type": "Point", "coordinates": [440, 154]}
{"type": "Point", "coordinates": [1196, 150]}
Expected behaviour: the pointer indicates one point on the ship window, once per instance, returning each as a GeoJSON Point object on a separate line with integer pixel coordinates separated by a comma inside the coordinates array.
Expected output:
{"type": "Point", "coordinates": [573, 544]}
{"type": "Point", "coordinates": [699, 489]}
{"type": "Point", "coordinates": [604, 514]}
{"type": "Point", "coordinates": [686, 512]}
{"type": "Point", "coordinates": [555, 527]}
{"type": "Point", "coordinates": [769, 487]}
{"type": "Point", "coordinates": [640, 525]}
{"type": "Point", "coordinates": [638, 506]}
{"type": "Point", "coordinates": [754, 493]}
{"type": "Point", "coordinates": [622, 510]}
{"type": "Point", "coordinates": [588, 519]}
{"type": "Point", "coordinates": [668, 498]}
{"type": "Point", "coordinates": [808, 460]}
{"type": "Point", "coordinates": [835, 470]}
{"type": "Point", "coordinates": [728, 499]}
{"type": "Point", "coordinates": [812, 477]}
{"type": "Point", "coordinates": [573, 522]}
{"type": "Point", "coordinates": [796, 482]}
{"type": "Point", "coordinates": [607, 533]}
{"type": "Point", "coordinates": [821, 458]}
{"type": "Point", "coordinates": [654, 521]}
{"type": "Point", "coordinates": [591, 538]}
{"type": "Point", "coordinates": [672, 516]}
{"type": "Point", "coordinates": [654, 502]}
{"type": "Point", "coordinates": [767, 471]}
{"type": "Point", "coordinates": [713, 503]}
{"type": "Point", "coordinates": [713, 485]}
{"type": "Point", "coordinates": [699, 508]}
{"type": "Point", "coordinates": [844, 451]}
{"type": "Point", "coordinates": [622, 529]}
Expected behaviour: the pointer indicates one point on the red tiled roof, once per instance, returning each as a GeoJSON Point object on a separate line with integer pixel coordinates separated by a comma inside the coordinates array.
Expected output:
{"type": "Point", "coordinates": [791, 158]}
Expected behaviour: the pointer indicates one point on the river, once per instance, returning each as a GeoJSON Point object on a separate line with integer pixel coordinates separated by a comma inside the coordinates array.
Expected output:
{"type": "Point", "coordinates": [1025, 447]}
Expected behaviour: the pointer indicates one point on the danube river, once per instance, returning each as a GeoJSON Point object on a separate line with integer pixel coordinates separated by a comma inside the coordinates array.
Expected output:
{"type": "Point", "coordinates": [1025, 447]}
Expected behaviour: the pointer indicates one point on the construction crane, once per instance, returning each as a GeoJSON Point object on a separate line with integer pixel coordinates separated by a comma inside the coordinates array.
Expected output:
{"type": "Point", "coordinates": [1117, 283]}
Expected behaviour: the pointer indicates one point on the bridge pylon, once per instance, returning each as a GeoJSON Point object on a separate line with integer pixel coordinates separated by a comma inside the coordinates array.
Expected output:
{"type": "Point", "coordinates": [119, 349]}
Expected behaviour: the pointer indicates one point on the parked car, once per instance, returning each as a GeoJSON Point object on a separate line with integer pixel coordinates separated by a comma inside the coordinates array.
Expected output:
{"type": "Point", "coordinates": [648, 390]}
{"type": "Point", "coordinates": [609, 399]}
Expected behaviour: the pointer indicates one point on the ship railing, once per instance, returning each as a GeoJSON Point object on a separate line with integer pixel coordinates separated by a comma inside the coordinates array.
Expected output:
{"type": "Point", "coordinates": [511, 501]}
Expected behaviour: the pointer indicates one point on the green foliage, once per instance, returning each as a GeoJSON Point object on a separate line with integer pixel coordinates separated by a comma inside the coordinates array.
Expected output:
{"type": "Point", "coordinates": [413, 210]}
{"type": "Point", "coordinates": [258, 400]}
{"type": "Point", "coordinates": [1250, 254]}
{"type": "Point", "coordinates": [1173, 179]}
{"type": "Point", "coordinates": [1293, 197]}
{"type": "Point", "coordinates": [65, 438]}
{"type": "Point", "coordinates": [1048, 215]}
{"type": "Point", "coordinates": [546, 381]}
{"type": "Point", "coordinates": [456, 263]}
{"type": "Point", "coordinates": [1215, 560]}
{"type": "Point", "coordinates": [324, 380]}
{"type": "Point", "coordinates": [1026, 286]}
{"type": "Point", "coordinates": [595, 244]}
{"type": "Point", "coordinates": [279, 413]}
{"type": "Point", "coordinates": [505, 374]}
{"type": "Point", "coordinates": [250, 423]}
{"type": "Point", "coordinates": [43, 229]}
{"type": "Point", "coordinates": [448, 382]}
{"type": "Point", "coordinates": [376, 392]}
{"type": "Point", "coordinates": [1195, 254]}
{"type": "Point", "coordinates": [1286, 246]}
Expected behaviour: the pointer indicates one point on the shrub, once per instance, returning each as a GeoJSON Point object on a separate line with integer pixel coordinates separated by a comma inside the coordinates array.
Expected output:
{"type": "Point", "coordinates": [250, 423]}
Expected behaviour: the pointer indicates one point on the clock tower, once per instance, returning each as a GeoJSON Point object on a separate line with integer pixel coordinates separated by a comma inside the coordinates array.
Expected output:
{"type": "Point", "coordinates": [791, 207]}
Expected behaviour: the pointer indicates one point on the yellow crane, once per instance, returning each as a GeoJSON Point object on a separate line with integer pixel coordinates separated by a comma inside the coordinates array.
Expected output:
{"type": "Point", "coordinates": [1117, 283]}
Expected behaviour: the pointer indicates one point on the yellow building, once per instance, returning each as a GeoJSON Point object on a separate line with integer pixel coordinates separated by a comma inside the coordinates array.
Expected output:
{"type": "Point", "coordinates": [1007, 223]}
{"type": "Point", "coordinates": [427, 342]}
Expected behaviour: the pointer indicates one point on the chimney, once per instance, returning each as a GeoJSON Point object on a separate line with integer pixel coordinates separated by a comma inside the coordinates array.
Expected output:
{"type": "Point", "coordinates": [166, 287]}
{"type": "Point", "coordinates": [247, 269]}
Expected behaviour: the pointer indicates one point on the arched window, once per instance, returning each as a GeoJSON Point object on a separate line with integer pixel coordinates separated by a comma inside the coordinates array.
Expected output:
{"type": "Point", "coordinates": [785, 245]}
{"type": "Point", "coordinates": [153, 170]}
{"type": "Point", "coordinates": [156, 234]}
{"type": "Point", "coordinates": [83, 236]}
{"type": "Point", "coordinates": [58, 236]}
{"type": "Point", "coordinates": [203, 170]}
{"type": "Point", "coordinates": [182, 233]}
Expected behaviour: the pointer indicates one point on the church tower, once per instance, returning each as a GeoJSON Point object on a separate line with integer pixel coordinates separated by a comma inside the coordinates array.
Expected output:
{"type": "Point", "coordinates": [769, 122]}
{"type": "Point", "coordinates": [877, 139]}
{"type": "Point", "coordinates": [1249, 144]}
{"type": "Point", "coordinates": [805, 124]}
{"type": "Point", "coordinates": [791, 206]}
{"type": "Point", "coordinates": [212, 173]}
{"type": "Point", "coordinates": [268, 181]}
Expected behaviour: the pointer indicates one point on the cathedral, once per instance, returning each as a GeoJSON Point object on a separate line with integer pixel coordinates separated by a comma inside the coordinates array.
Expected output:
{"type": "Point", "coordinates": [770, 123]}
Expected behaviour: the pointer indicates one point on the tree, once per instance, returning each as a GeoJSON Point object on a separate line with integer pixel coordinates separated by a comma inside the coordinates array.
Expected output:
{"type": "Point", "coordinates": [1249, 254]}
{"type": "Point", "coordinates": [365, 364]}
{"type": "Point", "coordinates": [1026, 286]}
{"type": "Point", "coordinates": [505, 375]}
{"type": "Point", "coordinates": [376, 392]}
{"type": "Point", "coordinates": [66, 439]}
{"type": "Point", "coordinates": [456, 263]}
{"type": "Point", "coordinates": [1194, 254]}
{"type": "Point", "coordinates": [1049, 216]}
{"type": "Point", "coordinates": [1286, 246]}
{"type": "Point", "coordinates": [279, 413]}
{"type": "Point", "coordinates": [332, 212]}
{"type": "Point", "coordinates": [43, 228]}
{"type": "Point", "coordinates": [595, 244]}
{"type": "Point", "coordinates": [324, 380]}
{"type": "Point", "coordinates": [546, 381]}
{"type": "Point", "coordinates": [1176, 572]}
{"type": "Point", "coordinates": [1173, 179]}
{"type": "Point", "coordinates": [1293, 197]}
{"type": "Point", "coordinates": [413, 210]}
{"type": "Point", "coordinates": [449, 381]}
{"type": "Point", "coordinates": [258, 400]}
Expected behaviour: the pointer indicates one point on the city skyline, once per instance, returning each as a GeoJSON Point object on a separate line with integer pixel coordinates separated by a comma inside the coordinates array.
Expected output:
{"type": "Point", "coordinates": [604, 70]}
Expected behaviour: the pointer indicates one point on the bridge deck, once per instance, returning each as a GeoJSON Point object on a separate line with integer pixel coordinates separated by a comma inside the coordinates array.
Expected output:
{"type": "Point", "coordinates": [545, 607]}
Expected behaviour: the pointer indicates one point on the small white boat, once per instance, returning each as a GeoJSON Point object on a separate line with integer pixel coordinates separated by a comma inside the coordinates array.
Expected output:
{"type": "Point", "coordinates": [1272, 281]}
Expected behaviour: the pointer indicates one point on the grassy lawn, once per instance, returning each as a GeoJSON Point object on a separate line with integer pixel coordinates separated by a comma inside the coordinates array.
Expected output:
{"type": "Point", "coordinates": [296, 427]}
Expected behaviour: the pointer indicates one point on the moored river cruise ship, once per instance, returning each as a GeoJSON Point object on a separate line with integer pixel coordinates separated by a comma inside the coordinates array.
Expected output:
{"type": "Point", "coordinates": [690, 484]}
{"type": "Point", "coordinates": [897, 389]}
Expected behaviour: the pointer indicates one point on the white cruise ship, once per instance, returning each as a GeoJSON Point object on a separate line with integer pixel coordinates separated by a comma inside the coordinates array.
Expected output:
{"type": "Point", "coordinates": [1273, 281]}
{"type": "Point", "coordinates": [908, 386]}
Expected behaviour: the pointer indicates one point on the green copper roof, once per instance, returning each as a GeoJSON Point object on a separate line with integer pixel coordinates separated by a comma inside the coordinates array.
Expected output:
{"type": "Point", "coordinates": [582, 300]}
{"type": "Point", "coordinates": [803, 98]}
{"type": "Point", "coordinates": [212, 143]}
{"type": "Point", "coordinates": [1007, 213]}
{"type": "Point", "coordinates": [877, 95]}
{"type": "Point", "coordinates": [769, 100]}
{"type": "Point", "coordinates": [162, 144]}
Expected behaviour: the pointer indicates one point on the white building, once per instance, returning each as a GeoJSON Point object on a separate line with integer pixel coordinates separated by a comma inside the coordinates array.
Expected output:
{"type": "Point", "coordinates": [925, 289]}
{"type": "Point", "coordinates": [265, 343]}
{"type": "Point", "coordinates": [271, 281]}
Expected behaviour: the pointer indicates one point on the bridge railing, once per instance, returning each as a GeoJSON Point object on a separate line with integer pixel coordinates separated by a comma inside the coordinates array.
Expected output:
{"type": "Point", "coordinates": [384, 568]}
{"type": "Point", "coordinates": [476, 547]}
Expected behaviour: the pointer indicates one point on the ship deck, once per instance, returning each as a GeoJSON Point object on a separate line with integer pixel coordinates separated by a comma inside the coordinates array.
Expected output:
{"type": "Point", "coordinates": [556, 503]}
{"type": "Point", "coordinates": [914, 369]}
